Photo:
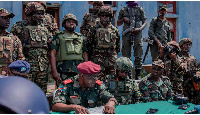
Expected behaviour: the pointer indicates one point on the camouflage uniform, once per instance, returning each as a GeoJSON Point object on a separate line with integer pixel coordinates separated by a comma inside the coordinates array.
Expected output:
{"type": "Point", "coordinates": [156, 90]}
{"type": "Point", "coordinates": [160, 30]}
{"type": "Point", "coordinates": [71, 93]}
{"type": "Point", "coordinates": [104, 43]}
{"type": "Point", "coordinates": [34, 40]}
{"type": "Point", "coordinates": [138, 16]}
{"type": "Point", "coordinates": [192, 66]}
{"type": "Point", "coordinates": [10, 47]}
{"type": "Point", "coordinates": [68, 67]}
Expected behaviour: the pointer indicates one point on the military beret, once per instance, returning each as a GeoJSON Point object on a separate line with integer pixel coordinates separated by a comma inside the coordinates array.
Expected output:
{"type": "Point", "coordinates": [20, 66]}
{"type": "Point", "coordinates": [88, 68]}
{"type": "Point", "coordinates": [159, 63]}
{"type": "Point", "coordinates": [185, 40]}
{"type": "Point", "coordinates": [4, 12]}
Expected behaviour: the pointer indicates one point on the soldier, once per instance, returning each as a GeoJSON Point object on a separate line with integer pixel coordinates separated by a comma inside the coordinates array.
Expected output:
{"type": "Point", "coordinates": [68, 49]}
{"type": "Point", "coordinates": [10, 45]}
{"type": "Point", "coordinates": [49, 20]}
{"type": "Point", "coordinates": [131, 15]}
{"type": "Point", "coordinates": [123, 88]}
{"type": "Point", "coordinates": [35, 38]}
{"type": "Point", "coordinates": [83, 91]}
{"type": "Point", "coordinates": [189, 80]}
{"type": "Point", "coordinates": [104, 40]}
{"type": "Point", "coordinates": [155, 86]}
{"type": "Point", "coordinates": [159, 31]}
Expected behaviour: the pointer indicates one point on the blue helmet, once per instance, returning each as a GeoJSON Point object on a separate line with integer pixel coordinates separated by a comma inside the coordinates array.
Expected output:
{"type": "Point", "coordinates": [21, 96]}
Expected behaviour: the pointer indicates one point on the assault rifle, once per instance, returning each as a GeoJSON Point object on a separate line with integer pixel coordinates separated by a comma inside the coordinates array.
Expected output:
{"type": "Point", "coordinates": [150, 42]}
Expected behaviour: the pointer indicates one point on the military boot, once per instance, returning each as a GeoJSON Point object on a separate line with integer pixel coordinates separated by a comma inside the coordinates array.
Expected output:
{"type": "Point", "coordinates": [137, 74]}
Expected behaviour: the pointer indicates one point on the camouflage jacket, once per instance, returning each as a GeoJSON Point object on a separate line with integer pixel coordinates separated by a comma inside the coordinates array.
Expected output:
{"type": "Point", "coordinates": [88, 18]}
{"type": "Point", "coordinates": [10, 50]}
{"type": "Point", "coordinates": [160, 30]}
{"type": "Point", "coordinates": [155, 91]}
{"type": "Point", "coordinates": [126, 91]}
{"type": "Point", "coordinates": [50, 23]}
{"type": "Point", "coordinates": [140, 16]}
{"type": "Point", "coordinates": [71, 93]}
{"type": "Point", "coordinates": [68, 65]}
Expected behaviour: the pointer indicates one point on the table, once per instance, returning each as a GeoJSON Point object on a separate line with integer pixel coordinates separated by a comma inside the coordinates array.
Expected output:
{"type": "Point", "coordinates": [164, 107]}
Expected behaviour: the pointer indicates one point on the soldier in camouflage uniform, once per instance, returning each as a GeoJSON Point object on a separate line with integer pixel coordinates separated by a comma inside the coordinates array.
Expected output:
{"type": "Point", "coordinates": [138, 16]}
{"type": "Point", "coordinates": [155, 86]}
{"type": "Point", "coordinates": [83, 91]}
{"type": "Point", "coordinates": [68, 49]}
{"type": "Point", "coordinates": [159, 31]}
{"type": "Point", "coordinates": [192, 67]}
{"type": "Point", "coordinates": [10, 45]}
{"type": "Point", "coordinates": [49, 20]}
{"type": "Point", "coordinates": [120, 85]}
{"type": "Point", "coordinates": [104, 40]}
{"type": "Point", "coordinates": [35, 38]}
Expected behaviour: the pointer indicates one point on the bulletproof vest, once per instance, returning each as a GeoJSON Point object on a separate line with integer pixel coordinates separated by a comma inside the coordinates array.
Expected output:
{"type": "Point", "coordinates": [38, 37]}
{"type": "Point", "coordinates": [70, 46]}
{"type": "Point", "coordinates": [121, 91]}
{"type": "Point", "coordinates": [106, 38]}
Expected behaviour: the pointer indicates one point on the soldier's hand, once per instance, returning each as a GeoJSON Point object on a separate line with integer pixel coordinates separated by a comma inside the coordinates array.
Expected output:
{"type": "Point", "coordinates": [80, 110]}
{"type": "Point", "coordinates": [56, 76]}
{"type": "Point", "coordinates": [127, 20]}
{"type": "Point", "coordinates": [173, 56]}
{"type": "Point", "coordinates": [136, 30]}
{"type": "Point", "coordinates": [109, 108]}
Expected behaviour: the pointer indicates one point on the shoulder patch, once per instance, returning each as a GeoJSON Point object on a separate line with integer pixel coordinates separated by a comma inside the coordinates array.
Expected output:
{"type": "Point", "coordinates": [99, 82]}
{"type": "Point", "coordinates": [67, 81]}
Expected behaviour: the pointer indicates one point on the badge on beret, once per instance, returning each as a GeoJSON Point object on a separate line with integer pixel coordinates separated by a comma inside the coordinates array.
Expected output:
{"type": "Point", "coordinates": [23, 69]}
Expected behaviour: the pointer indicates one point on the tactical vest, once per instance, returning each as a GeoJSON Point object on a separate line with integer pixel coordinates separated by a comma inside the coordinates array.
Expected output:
{"type": "Point", "coordinates": [106, 38]}
{"type": "Point", "coordinates": [70, 46]}
{"type": "Point", "coordinates": [38, 37]}
{"type": "Point", "coordinates": [121, 91]}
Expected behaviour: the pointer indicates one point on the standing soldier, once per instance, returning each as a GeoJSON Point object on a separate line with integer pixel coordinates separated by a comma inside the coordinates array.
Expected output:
{"type": "Point", "coordinates": [67, 50]}
{"type": "Point", "coordinates": [131, 16]}
{"type": "Point", "coordinates": [104, 40]}
{"type": "Point", "coordinates": [120, 85]}
{"type": "Point", "coordinates": [10, 45]}
{"type": "Point", "coordinates": [34, 37]}
{"type": "Point", "coordinates": [159, 31]}
{"type": "Point", "coordinates": [189, 80]}
{"type": "Point", "coordinates": [89, 20]}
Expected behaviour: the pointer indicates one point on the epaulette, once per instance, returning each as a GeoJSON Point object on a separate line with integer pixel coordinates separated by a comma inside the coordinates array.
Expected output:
{"type": "Point", "coordinates": [59, 32]}
{"type": "Point", "coordinates": [68, 81]}
{"type": "Point", "coordinates": [77, 33]}
{"type": "Point", "coordinates": [99, 82]}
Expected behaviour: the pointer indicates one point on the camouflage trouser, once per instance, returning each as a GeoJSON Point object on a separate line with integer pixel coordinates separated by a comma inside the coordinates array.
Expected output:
{"type": "Point", "coordinates": [177, 87]}
{"type": "Point", "coordinates": [154, 51]}
{"type": "Point", "coordinates": [107, 65]}
{"type": "Point", "coordinates": [138, 48]}
{"type": "Point", "coordinates": [40, 78]}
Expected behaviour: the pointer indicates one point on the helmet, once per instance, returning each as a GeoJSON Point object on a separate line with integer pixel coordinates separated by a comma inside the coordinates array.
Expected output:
{"type": "Point", "coordinates": [185, 40]}
{"type": "Point", "coordinates": [21, 96]}
{"type": "Point", "coordinates": [123, 64]}
{"type": "Point", "coordinates": [32, 7]}
{"type": "Point", "coordinates": [100, 3]}
{"type": "Point", "coordinates": [159, 63]}
{"type": "Point", "coordinates": [43, 3]}
{"type": "Point", "coordinates": [69, 16]}
{"type": "Point", "coordinates": [175, 44]}
{"type": "Point", "coordinates": [107, 10]}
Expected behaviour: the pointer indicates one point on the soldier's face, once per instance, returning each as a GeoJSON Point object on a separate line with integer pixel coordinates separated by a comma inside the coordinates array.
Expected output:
{"type": "Point", "coordinates": [38, 16]}
{"type": "Point", "coordinates": [122, 74]}
{"type": "Point", "coordinates": [186, 47]}
{"type": "Point", "coordinates": [156, 71]}
{"type": "Point", "coordinates": [90, 80]}
{"type": "Point", "coordinates": [4, 22]}
{"type": "Point", "coordinates": [162, 12]}
{"type": "Point", "coordinates": [104, 18]}
{"type": "Point", "coordinates": [96, 7]}
{"type": "Point", "coordinates": [70, 25]}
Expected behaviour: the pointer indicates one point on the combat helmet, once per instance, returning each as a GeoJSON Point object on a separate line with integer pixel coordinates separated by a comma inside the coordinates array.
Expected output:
{"type": "Point", "coordinates": [99, 3]}
{"type": "Point", "coordinates": [107, 10]}
{"type": "Point", "coordinates": [67, 17]}
{"type": "Point", "coordinates": [32, 7]}
{"type": "Point", "coordinates": [185, 40]}
{"type": "Point", "coordinates": [21, 96]}
{"type": "Point", "coordinates": [43, 3]}
{"type": "Point", "coordinates": [123, 64]}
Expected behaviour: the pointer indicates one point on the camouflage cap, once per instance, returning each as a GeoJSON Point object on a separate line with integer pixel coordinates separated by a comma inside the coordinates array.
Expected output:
{"type": "Point", "coordinates": [99, 3]}
{"type": "Point", "coordinates": [123, 64]}
{"type": "Point", "coordinates": [68, 17]}
{"type": "Point", "coordinates": [162, 7]}
{"type": "Point", "coordinates": [185, 40]}
{"type": "Point", "coordinates": [107, 10]}
{"type": "Point", "coordinates": [159, 63]}
{"type": "Point", "coordinates": [43, 3]}
{"type": "Point", "coordinates": [4, 12]}
{"type": "Point", "coordinates": [32, 7]}
{"type": "Point", "coordinates": [175, 44]}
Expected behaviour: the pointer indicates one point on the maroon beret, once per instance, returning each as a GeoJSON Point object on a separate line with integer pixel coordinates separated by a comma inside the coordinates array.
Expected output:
{"type": "Point", "coordinates": [88, 68]}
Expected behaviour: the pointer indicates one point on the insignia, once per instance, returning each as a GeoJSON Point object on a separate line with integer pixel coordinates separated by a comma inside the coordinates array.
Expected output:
{"type": "Point", "coordinates": [67, 81]}
{"type": "Point", "coordinates": [99, 82]}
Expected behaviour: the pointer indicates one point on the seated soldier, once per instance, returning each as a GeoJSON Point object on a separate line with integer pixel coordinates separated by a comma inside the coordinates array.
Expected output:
{"type": "Point", "coordinates": [120, 85]}
{"type": "Point", "coordinates": [155, 86]}
{"type": "Point", "coordinates": [19, 68]}
{"type": "Point", "coordinates": [83, 91]}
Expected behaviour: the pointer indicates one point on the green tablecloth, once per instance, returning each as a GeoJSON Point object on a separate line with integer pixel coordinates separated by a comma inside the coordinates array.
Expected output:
{"type": "Point", "coordinates": [164, 107]}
